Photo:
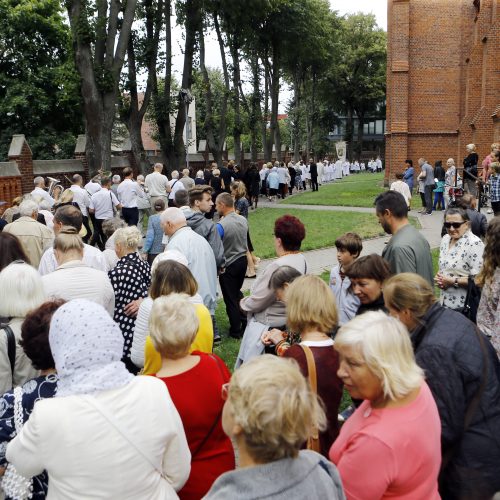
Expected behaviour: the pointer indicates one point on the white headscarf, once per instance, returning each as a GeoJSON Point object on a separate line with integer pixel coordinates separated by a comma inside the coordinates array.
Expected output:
{"type": "Point", "coordinates": [87, 347]}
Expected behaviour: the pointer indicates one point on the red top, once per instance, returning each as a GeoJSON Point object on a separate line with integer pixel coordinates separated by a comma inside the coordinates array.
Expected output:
{"type": "Point", "coordinates": [328, 383]}
{"type": "Point", "coordinates": [391, 452]}
{"type": "Point", "coordinates": [197, 396]}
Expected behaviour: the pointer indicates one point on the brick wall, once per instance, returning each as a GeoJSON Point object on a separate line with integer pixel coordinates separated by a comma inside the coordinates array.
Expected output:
{"type": "Point", "coordinates": [443, 79]}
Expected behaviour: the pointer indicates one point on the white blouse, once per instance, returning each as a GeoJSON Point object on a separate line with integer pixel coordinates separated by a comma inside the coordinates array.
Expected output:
{"type": "Point", "coordinates": [464, 259]}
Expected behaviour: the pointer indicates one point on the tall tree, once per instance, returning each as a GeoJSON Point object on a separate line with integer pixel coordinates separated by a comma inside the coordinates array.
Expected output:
{"type": "Point", "coordinates": [142, 55]}
{"type": "Point", "coordinates": [101, 32]}
{"type": "Point", "coordinates": [39, 87]}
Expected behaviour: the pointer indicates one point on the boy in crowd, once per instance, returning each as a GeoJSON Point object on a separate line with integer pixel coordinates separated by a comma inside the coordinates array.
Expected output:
{"type": "Point", "coordinates": [349, 248]}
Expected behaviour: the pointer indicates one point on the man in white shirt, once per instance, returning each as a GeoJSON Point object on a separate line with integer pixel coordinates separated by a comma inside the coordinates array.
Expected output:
{"type": "Point", "coordinates": [128, 192]}
{"type": "Point", "coordinates": [156, 184]}
{"type": "Point", "coordinates": [93, 185]}
{"type": "Point", "coordinates": [82, 198]}
{"type": "Point", "coordinates": [68, 215]}
{"type": "Point", "coordinates": [173, 186]}
{"type": "Point", "coordinates": [102, 205]}
{"type": "Point", "coordinates": [40, 193]}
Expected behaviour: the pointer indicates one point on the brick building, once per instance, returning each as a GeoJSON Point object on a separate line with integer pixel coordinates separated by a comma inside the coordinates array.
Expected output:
{"type": "Point", "coordinates": [443, 79]}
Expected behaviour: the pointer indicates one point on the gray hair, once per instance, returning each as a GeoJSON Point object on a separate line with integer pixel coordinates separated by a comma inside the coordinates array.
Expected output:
{"type": "Point", "coordinates": [109, 226]}
{"type": "Point", "coordinates": [44, 205]}
{"type": "Point", "coordinates": [175, 174]}
{"type": "Point", "coordinates": [173, 215]}
{"type": "Point", "coordinates": [116, 178]}
{"type": "Point", "coordinates": [38, 180]}
{"type": "Point", "coordinates": [27, 207]}
{"type": "Point", "coordinates": [140, 177]}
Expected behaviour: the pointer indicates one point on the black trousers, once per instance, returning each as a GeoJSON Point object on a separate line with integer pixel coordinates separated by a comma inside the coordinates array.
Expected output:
{"type": "Point", "coordinates": [428, 198]}
{"type": "Point", "coordinates": [231, 281]}
{"type": "Point", "coordinates": [314, 182]}
{"type": "Point", "coordinates": [86, 225]}
{"type": "Point", "coordinates": [130, 216]}
{"type": "Point", "coordinates": [98, 235]}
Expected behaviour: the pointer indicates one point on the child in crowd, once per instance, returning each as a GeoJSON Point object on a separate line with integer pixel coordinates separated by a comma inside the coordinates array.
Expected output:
{"type": "Point", "coordinates": [495, 187]}
{"type": "Point", "coordinates": [349, 248]}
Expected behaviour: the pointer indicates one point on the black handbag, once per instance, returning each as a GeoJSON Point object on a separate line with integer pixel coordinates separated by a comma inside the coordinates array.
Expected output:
{"type": "Point", "coordinates": [469, 309]}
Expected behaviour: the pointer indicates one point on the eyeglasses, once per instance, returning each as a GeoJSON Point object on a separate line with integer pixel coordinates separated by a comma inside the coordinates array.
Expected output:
{"type": "Point", "coordinates": [225, 391]}
{"type": "Point", "coordinates": [454, 225]}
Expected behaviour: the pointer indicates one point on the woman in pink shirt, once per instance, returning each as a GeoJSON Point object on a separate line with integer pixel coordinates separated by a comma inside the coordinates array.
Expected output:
{"type": "Point", "coordinates": [390, 447]}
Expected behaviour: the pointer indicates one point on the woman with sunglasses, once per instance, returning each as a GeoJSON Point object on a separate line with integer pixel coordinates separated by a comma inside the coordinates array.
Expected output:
{"type": "Point", "coordinates": [460, 256]}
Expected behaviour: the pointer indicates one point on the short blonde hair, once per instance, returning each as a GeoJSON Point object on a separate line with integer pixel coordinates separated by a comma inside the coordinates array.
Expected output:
{"type": "Point", "coordinates": [276, 418]}
{"type": "Point", "coordinates": [68, 240]}
{"type": "Point", "coordinates": [385, 346]}
{"type": "Point", "coordinates": [173, 325]}
{"type": "Point", "coordinates": [471, 147]}
{"type": "Point", "coordinates": [310, 304]}
{"type": "Point", "coordinates": [216, 172]}
{"type": "Point", "coordinates": [409, 291]}
{"type": "Point", "coordinates": [22, 290]}
{"type": "Point", "coordinates": [128, 237]}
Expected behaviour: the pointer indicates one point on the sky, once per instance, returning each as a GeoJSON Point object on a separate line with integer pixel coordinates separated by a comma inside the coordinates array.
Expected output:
{"type": "Point", "coordinates": [213, 59]}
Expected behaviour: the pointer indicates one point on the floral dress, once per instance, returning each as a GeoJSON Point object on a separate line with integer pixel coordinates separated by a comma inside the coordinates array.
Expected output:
{"type": "Point", "coordinates": [33, 390]}
{"type": "Point", "coordinates": [464, 259]}
{"type": "Point", "coordinates": [130, 279]}
{"type": "Point", "coordinates": [488, 313]}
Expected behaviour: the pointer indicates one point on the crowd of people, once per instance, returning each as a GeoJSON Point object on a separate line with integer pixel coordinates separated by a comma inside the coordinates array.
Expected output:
{"type": "Point", "coordinates": [110, 384]}
{"type": "Point", "coordinates": [439, 186]}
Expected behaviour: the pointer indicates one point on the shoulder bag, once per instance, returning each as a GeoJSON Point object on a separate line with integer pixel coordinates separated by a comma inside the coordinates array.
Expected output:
{"type": "Point", "coordinates": [11, 348]}
{"type": "Point", "coordinates": [14, 485]}
{"type": "Point", "coordinates": [471, 304]}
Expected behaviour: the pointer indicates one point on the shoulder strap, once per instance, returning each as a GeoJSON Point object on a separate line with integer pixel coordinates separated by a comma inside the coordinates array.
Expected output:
{"type": "Point", "coordinates": [11, 349]}
{"type": "Point", "coordinates": [311, 368]}
{"type": "Point", "coordinates": [126, 435]}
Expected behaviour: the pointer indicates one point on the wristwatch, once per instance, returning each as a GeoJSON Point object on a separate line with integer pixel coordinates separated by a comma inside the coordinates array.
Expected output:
{"type": "Point", "coordinates": [456, 283]}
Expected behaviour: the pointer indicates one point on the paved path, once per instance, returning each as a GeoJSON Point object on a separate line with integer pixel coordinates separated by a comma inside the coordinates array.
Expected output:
{"type": "Point", "coordinates": [324, 259]}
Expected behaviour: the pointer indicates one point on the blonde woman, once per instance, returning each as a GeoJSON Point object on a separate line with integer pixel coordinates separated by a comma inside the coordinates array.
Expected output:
{"type": "Point", "coordinates": [269, 418]}
{"type": "Point", "coordinates": [130, 279]}
{"type": "Point", "coordinates": [463, 372]}
{"type": "Point", "coordinates": [389, 447]}
{"type": "Point", "coordinates": [73, 278]}
{"type": "Point", "coordinates": [194, 381]}
{"type": "Point", "coordinates": [311, 312]}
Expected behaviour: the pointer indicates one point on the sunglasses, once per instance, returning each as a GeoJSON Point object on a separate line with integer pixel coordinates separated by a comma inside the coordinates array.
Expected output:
{"type": "Point", "coordinates": [454, 225]}
{"type": "Point", "coordinates": [225, 391]}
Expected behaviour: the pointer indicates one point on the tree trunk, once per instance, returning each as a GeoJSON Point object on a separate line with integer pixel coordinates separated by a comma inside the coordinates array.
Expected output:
{"type": "Point", "coordinates": [296, 114]}
{"type": "Point", "coordinates": [359, 146]}
{"type": "Point", "coordinates": [349, 132]}
{"type": "Point", "coordinates": [193, 26]}
{"type": "Point", "coordinates": [274, 134]}
{"type": "Point", "coordinates": [265, 117]}
{"type": "Point", "coordinates": [255, 111]}
{"type": "Point", "coordinates": [313, 115]}
{"type": "Point", "coordinates": [236, 100]}
{"type": "Point", "coordinates": [99, 71]}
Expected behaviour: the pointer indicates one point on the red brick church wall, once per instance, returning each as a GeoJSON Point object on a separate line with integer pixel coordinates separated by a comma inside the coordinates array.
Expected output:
{"type": "Point", "coordinates": [443, 79]}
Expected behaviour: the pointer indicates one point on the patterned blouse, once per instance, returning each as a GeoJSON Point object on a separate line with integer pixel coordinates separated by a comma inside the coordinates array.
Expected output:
{"type": "Point", "coordinates": [464, 259]}
{"type": "Point", "coordinates": [488, 313]}
{"type": "Point", "coordinates": [130, 279]}
{"type": "Point", "coordinates": [33, 390]}
{"type": "Point", "coordinates": [241, 205]}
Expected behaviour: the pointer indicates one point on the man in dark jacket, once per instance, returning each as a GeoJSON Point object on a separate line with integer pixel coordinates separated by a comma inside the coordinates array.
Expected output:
{"type": "Point", "coordinates": [463, 372]}
{"type": "Point", "coordinates": [200, 203]}
{"type": "Point", "coordinates": [313, 170]}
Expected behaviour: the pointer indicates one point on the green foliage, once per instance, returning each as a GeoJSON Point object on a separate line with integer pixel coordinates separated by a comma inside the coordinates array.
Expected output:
{"type": "Point", "coordinates": [39, 88]}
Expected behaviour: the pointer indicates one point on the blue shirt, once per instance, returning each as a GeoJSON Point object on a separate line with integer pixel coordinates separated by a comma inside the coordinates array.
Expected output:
{"type": "Point", "coordinates": [273, 181]}
{"type": "Point", "coordinates": [154, 236]}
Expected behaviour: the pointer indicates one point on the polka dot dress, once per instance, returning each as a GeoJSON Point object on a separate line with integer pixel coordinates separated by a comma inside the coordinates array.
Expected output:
{"type": "Point", "coordinates": [130, 279]}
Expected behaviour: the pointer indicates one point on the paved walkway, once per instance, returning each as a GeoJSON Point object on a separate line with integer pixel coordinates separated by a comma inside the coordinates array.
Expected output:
{"type": "Point", "coordinates": [324, 259]}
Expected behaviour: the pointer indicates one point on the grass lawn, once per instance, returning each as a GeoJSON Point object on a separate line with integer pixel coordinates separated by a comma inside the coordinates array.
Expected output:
{"type": "Point", "coordinates": [322, 227]}
{"type": "Point", "coordinates": [353, 191]}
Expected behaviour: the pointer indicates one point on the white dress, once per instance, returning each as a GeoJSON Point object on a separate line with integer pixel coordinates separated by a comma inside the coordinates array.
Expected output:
{"type": "Point", "coordinates": [464, 259]}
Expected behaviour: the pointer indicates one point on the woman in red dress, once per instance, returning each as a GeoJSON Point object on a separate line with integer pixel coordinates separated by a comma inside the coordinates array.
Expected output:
{"type": "Point", "coordinates": [195, 384]}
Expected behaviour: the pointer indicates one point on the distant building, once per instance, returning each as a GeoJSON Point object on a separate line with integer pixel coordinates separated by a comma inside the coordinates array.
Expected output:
{"type": "Point", "coordinates": [443, 79]}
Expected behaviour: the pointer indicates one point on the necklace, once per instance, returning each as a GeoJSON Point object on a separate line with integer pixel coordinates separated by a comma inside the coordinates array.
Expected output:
{"type": "Point", "coordinates": [291, 252]}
